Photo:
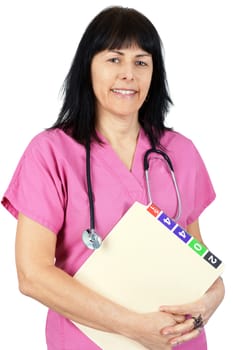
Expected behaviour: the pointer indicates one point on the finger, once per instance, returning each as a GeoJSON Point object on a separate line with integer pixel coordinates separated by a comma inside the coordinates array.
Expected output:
{"type": "Point", "coordinates": [179, 318]}
{"type": "Point", "coordinates": [174, 309]}
{"type": "Point", "coordinates": [185, 337]}
{"type": "Point", "coordinates": [180, 328]}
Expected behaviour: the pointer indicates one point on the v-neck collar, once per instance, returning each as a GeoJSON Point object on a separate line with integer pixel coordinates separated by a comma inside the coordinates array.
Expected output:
{"type": "Point", "coordinates": [134, 179]}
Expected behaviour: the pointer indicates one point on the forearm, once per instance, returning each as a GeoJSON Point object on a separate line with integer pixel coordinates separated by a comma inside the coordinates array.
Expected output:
{"type": "Point", "coordinates": [214, 296]}
{"type": "Point", "coordinates": [41, 280]}
{"type": "Point", "coordinates": [60, 292]}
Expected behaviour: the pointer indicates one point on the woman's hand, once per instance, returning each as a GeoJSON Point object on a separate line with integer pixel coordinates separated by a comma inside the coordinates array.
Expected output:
{"type": "Point", "coordinates": [205, 307]}
{"type": "Point", "coordinates": [148, 328]}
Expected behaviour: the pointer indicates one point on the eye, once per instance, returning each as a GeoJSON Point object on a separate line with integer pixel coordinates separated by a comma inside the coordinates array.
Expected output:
{"type": "Point", "coordinates": [114, 60]}
{"type": "Point", "coordinates": [141, 63]}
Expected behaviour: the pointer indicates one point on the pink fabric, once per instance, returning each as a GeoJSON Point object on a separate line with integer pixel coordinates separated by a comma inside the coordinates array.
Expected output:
{"type": "Point", "coordinates": [49, 186]}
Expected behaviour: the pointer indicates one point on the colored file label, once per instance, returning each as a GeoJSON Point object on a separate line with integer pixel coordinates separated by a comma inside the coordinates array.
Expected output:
{"type": "Point", "coordinates": [182, 234]}
{"type": "Point", "coordinates": [212, 259]}
{"type": "Point", "coordinates": [154, 210]}
{"type": "Point", "coordinates": [197, 247]}
{"type": "Point", "coordinates": [166, 221]}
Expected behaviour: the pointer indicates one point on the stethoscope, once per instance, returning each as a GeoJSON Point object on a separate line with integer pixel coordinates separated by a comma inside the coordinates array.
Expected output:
{"type": "Point", "coordinates": [90, 237]}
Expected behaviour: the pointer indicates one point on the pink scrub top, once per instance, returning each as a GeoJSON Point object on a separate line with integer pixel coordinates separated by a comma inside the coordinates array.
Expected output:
{"type": "Point", "coordinates": [49, 186]}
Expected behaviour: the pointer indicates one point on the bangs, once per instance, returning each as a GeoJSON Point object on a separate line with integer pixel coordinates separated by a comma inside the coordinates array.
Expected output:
{"type": "Point", "coordinates": [125, 29]}
{"type": "Point", "coordinates": [125, 36]}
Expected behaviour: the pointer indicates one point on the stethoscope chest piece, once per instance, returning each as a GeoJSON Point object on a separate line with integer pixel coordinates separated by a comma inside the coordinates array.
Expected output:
{"type": "Point", "coordinates": [91, 239]}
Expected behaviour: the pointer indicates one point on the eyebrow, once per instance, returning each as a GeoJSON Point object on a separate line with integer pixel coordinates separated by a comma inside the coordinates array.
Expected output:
{"type": "Point", "coordinates": [144, 54]}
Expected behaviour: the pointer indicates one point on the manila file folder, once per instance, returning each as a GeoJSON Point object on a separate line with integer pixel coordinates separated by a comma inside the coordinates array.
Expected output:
{"type": "Point", "coordinates": [147, 260]}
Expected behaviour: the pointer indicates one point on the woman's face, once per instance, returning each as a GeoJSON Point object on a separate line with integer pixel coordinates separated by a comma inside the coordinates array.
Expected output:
{"type": "Point", "coordinates": [121, 79]}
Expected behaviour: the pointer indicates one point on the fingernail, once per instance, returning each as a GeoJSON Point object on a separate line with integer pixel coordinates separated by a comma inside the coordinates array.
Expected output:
{"type": "Point", "coordinates": [166, 332]}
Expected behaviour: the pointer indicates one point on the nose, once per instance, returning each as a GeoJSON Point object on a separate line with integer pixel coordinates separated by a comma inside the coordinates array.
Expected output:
{"type": "Point", "coordinates": [126, 73]}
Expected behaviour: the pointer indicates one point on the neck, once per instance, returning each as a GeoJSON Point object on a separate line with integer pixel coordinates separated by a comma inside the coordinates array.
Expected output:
{"type": "Point", "coordinates": [119, 131]}
{"type": "Point", "coordinates": [122, 136]}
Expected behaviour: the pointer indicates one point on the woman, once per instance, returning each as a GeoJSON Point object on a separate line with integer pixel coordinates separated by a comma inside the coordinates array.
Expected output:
{"type": "Point", "coordinates": [115, 103]}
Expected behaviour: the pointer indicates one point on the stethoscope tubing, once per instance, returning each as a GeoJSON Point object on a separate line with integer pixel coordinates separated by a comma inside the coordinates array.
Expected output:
{"type": "Point", "coordinates": [157, 151]}
{"type": "Point", "coordinates": [90, 238]}
{"type": "Point", "coordinates": [89, 186]}
{"type": "Point", "coordinates": [170, 166]}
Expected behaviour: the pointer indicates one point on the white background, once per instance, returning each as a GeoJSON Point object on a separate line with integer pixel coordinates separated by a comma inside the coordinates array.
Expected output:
{"type": "Point", "coordinates": [38, 42]}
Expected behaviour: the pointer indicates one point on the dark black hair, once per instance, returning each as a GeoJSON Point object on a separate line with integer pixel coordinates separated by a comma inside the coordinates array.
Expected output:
{"type": "Point", "coordinates": [114, 28]}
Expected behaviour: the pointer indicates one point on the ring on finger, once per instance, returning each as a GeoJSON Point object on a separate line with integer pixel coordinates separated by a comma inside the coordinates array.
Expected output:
{"type": "Point", "coordinates": [197, 322]}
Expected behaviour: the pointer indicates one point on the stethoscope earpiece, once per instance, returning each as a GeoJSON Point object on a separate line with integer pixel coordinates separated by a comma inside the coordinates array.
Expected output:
{"type": "Point", "coordinates": [91, 239]}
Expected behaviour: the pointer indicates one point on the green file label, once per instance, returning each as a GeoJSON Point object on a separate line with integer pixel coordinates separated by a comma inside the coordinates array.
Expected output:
{"type": "Point", "coordinates": [197, 247]}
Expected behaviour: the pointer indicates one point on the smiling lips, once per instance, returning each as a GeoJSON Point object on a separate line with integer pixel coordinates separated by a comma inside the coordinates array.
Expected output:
{"type": "Point", "coordinates": [124, 92]}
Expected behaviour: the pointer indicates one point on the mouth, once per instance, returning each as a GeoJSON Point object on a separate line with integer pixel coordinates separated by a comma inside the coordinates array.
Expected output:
{"type": "Point", "coordinates": [125, 92]}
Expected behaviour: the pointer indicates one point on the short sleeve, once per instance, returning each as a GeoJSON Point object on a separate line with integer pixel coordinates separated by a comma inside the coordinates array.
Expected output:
{"type": "Point", "coordinates": [36, 188]}
{"type": "Point", "coordinates": [203, 190]}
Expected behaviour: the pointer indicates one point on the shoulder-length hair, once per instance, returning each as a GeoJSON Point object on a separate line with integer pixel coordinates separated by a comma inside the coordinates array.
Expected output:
{"type": "Point", "coordinates": [113, 28]}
